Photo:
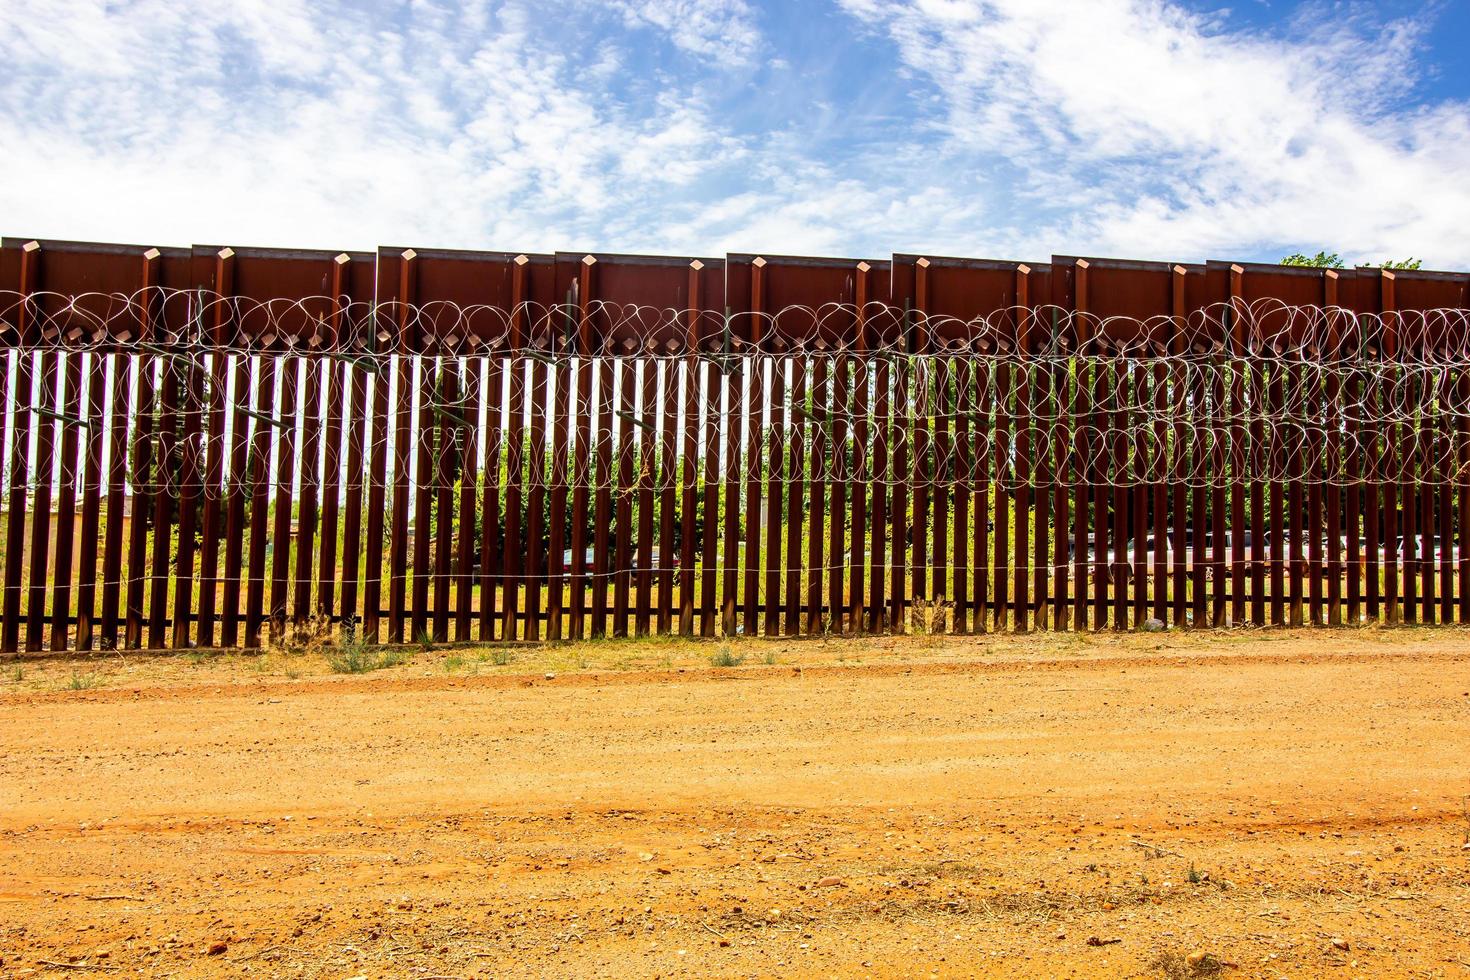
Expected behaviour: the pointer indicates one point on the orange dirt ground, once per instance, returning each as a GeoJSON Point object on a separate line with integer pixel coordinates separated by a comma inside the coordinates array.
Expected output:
{"type": "Point", "coordinates": [1264, 803]}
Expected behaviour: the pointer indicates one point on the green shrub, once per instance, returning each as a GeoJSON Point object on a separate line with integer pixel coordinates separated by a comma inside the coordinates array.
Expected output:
{"type": "Point", "coordinates": [726, 657]}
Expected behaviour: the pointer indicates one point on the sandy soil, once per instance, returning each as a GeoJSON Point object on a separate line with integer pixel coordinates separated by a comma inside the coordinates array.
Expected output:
{"type": "Point", "coordinates": [1251, 804]}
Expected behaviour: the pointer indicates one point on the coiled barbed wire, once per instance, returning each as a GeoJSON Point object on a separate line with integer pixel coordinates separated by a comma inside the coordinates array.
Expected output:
{"type": "Point", "coordinates": [1260, 393]}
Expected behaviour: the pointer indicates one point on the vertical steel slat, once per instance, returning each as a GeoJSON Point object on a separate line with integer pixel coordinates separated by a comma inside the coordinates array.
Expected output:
{"type": "Point", "coordinates": [900, 428]}
{"type": "Point", "coordinates": [943, 481]}
{"type": "Point", "coordinates": [191, 492]}
{"type": "Point", "coordinates": [775, 499]}
{"type": "Point", "coordinates": [730, 472]}
{"type": "Point", "coordinates": [1159, 469]}
{"type": "Point", "coordinates": [71, 402]}
{"type": "Point", "coordinates": [402, 466]}
{"type": "Point", "coordinates": [425, 467]}
{"type": "Point", "coordinates": [165, 500]}
{"type": "Point", "coordinates": [468, 375]}
{"type": "Point", "coordinates": [647, 461]}
{"type": "Point", "coordinates": [448, 429]}
{"type": "Point", "coordinates": [818, 453]}
{"type": "Point", "coordinates": [795, 490]}
{"type": "Point", "coordinates": [710, 393]}
{"type": "Point", "coordinates": [882, 430]}
{"type": "Point", "coordinates": [239, 488]}
{"type": "Point", "coordinates": [308, 504]}
{"type": "Point", "coordinates": [690, 463]}
{"type": "Point", "coordinates": [92, 486]}
{"type": "Point", "coordinates": [561, 429]}
{"type": "Point", "coordinates": [120, 384]}
{"type": "Point", "coordinates": [140, 477]}
{"type": "Point", "coordinates": [534, 518]}
{"type": "Point", "coordinates": [858, 565]}
{"type": "Point", "coordinates": [983, 482]}
{"type": "Point", "coordinates": [492, 536]}
{"type": "Point", "coordinates": [1139, 494]}
{"type": "Point", "coordinates": [605, 422]}
{"type": "Point", "coordinates": [1220, 583]}
{"type": "Point", "coordinates": [582, 476]}
{"type": "Point", "coordinates": [964, 478]}
{"type": "Point", "coordinates": [43, 468]}
{"type": "Point", "coordinates": [377, 474]}
{"type": "Point", "coordinates": [1059, 389]}
{"type": "Point", "coordinates": [262, 403]}
{"type": "Point", "coordinates": [668, 500]}
{"type": "Point", "coordinates": [328, 560]}
{"type": "Point", "coordinates": [627, 481]}
{"type": "Point", "coordinates": [357, 480]}
{"type": "Point", "coordinates": [837, 454]}
{"type": "Point", "coordinates": [214, 476]}
{"type": "Point", "coordinates": [287, 462]}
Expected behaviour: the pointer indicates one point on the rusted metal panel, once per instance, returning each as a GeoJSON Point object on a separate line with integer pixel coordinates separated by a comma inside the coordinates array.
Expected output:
{"type": "Point", "coordinates": [650, 303]}
{"type": "Point", "coordinates": [1129, 304]}
{"type": "Point", "coordinates": [965, 302]}
{"type": "Point", "coordinates": [784, 302]}
{"type": "Point", "coordinates": [85, 293]}
{"type": "Point", "coordinates": [279, 299]}
{"type": "Point", "coordinates": [462, 301]}
{"type": "Point", "coordinates": [1415, 292]}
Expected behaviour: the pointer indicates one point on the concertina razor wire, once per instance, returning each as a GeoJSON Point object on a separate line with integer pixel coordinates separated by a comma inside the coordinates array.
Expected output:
{"type": "Point", "coordinates": [1258, 392]}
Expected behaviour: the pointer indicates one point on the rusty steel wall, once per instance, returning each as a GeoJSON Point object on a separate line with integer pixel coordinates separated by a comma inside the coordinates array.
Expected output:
{"type": "Point", "coordinates": [206, 445]}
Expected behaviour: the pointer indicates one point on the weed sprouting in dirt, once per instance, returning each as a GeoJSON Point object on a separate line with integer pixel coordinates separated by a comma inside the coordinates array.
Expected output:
{"type": "Point", "coordinates": [929, 617]}
{"type": "Point", "coordinates": [17, 673]}
{"type": "Point", "coordinates": [726, 656]}
{"type": "Point", "coordinates": [1195, 877]}
{"type": "Point", "coordinates": [770, 658]}
{"type": "Point", "coordinates": [394, 658]}
{"type": "Point", "coordinates": [452, 663]}
{"type": "Point", "coordinates": [352, 655]}
{"type": "Point", "coordinates": [352, 658]}
{"type": "Point", "coordinates": [358, 659]}
{"type": "Point", "coordinates": [83, 682]}
{"type": "Point", "coordinates": [314, 635]}
{"type": "Point", "coordinates": [501, 656]}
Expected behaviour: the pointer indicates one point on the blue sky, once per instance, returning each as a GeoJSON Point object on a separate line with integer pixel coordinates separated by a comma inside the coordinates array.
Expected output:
{"type": "Point", "coordinates": [999, 128]}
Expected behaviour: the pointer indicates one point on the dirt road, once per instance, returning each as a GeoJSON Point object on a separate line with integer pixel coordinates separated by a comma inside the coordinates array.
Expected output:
{"type": "Point", "coordinates": [1292, 805]}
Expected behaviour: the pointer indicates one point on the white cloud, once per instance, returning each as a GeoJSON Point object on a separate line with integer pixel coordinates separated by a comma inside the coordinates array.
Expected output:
{"type": "Point", "coordinates": [270, 123]}
{"type": "Point", "coordinates": [722, 30]}
{"type": "Point", "coordinates": [1164, 137]}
